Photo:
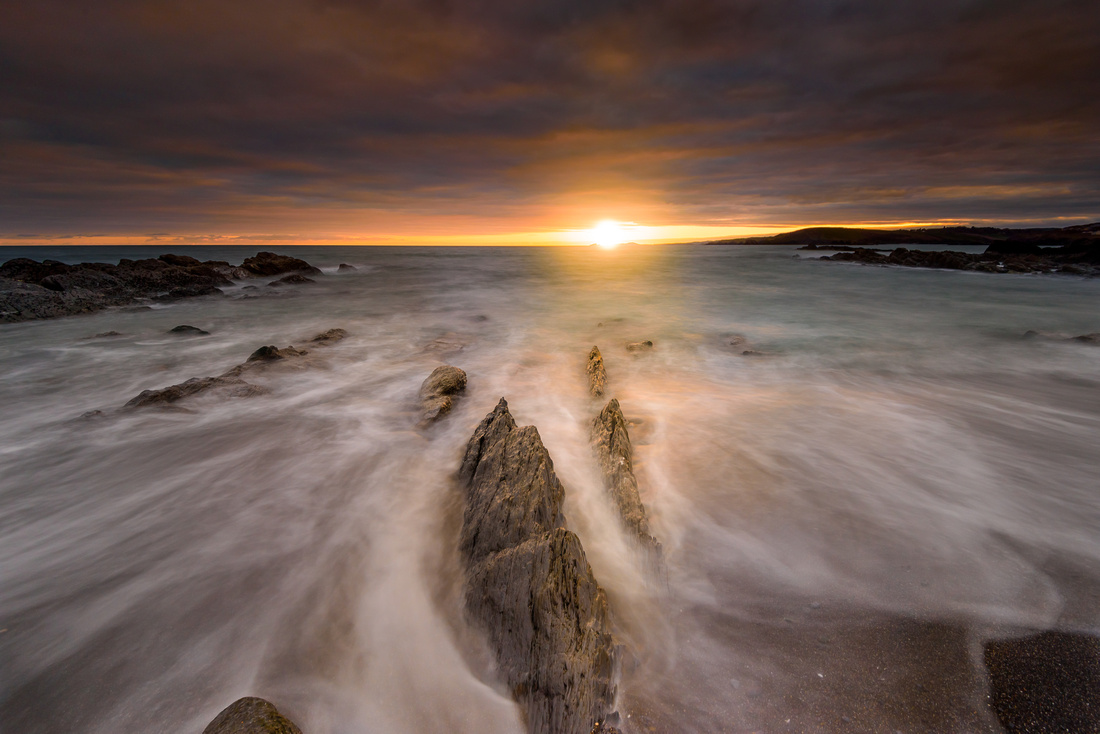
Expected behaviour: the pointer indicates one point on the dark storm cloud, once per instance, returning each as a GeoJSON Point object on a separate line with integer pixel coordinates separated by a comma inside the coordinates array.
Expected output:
{"type": "Point", "coordinates": [127, 115]}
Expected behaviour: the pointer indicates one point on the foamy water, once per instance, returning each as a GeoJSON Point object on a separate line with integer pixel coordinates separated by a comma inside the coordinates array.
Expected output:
{"type": "Point", "coordinates": [891, 477]}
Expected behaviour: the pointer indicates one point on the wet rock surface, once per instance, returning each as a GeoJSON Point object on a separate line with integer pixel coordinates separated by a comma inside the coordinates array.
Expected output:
{"type": "Point", "coordinates": [614, 452]}
{"type": "Point", "coordinates": [1045, 683]}
{"type": "Point", "coordinates": [597, 374]}
{"type": "Point", "coordinates": [251, 715]}
{"type": "Point", "coordinates": [292, 279]}
{"type": "Point", "coordinates": [638, 347]}
{"type": "Point", "coordinates": [50, 289]}
{"type": "Point", "coordinates": [529, 586]}
{"type": "Point", "coordinates": [439, 391]}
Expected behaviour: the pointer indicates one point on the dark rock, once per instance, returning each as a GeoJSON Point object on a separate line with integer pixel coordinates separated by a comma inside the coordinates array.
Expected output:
{"type": "Point", "coordinates": [639, 346]}
{"type": "Point", "coordinates": [186, 330]}
{"type": "Point", "coordinates": [272, 353]}
{"type": "Point", "coordinates": [29, 271]}
{"type": "Point", "coordinates": [251, 715]}
{"type": "Point", "coordinates": [230, 385]}
{"type": "Point", "coordinates": [329, 337]}
{"type": "Point", "coordinates": [437, 392]}
{"type": "Point", "coordinates": [614, 453]}
{"type": "Point", "coordinates": [529, 585]}
{"type": "Point", "coordinates": [597, 375]}
{"type": "Point", "coordinates": [266, 264]}
{"type": "Point", "coordinates": [104, 335]}
{"type": "Point", "coordinates": [181, 260]}
{"type": "Point", "coordinates": [292, 279]}
{"type": "Point", "coordinates": [1046, 683]}
{"type": "Point", "coordinates": [345, 268]}
{"type": "Point", "coordinates": [1088, 338]}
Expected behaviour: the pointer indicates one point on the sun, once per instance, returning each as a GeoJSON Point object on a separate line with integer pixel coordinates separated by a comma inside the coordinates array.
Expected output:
{"type": "Point", "coordinates": [608, 233]}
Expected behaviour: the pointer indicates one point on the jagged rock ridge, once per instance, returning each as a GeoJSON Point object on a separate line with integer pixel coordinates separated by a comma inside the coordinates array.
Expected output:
{"type": "Point", "coordinates": [529, 585]}
{"type": "Point", "coordinates": [614, 452]}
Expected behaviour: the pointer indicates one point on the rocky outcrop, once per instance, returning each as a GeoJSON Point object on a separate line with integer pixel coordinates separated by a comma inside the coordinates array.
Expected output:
{"type": "Point", "coordinates": [50, 289]}
{"type": "Point", "coordinates": [597, 375]}
{"type": "Point", "coordinates": [528, 584]}
{"type": "Point", "coordinates": [1045, 683]}
{"type": "Point", "coordinates": [251, 715]}
{"type": "Point", "coordinates": [614, 453]}
{"type": "Point", "coordinates": [439, 391]}
{"type": "Point", "coordinates": [1023, 259]}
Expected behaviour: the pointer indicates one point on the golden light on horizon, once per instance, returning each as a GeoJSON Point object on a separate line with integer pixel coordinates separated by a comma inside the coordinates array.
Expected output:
{"type": "Point", "coordinates": [607, 234]}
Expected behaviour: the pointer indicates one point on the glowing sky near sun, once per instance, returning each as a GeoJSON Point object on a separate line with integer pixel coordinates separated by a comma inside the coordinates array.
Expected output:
{"type": "Point", "coordinates": [512, 123]}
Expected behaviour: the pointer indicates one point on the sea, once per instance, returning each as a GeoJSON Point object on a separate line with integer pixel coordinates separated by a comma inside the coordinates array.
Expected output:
{"type": "Point", "coordinates": [859, 475]}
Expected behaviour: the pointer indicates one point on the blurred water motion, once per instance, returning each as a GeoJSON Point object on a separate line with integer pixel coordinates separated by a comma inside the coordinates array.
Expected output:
{"type": "Point", "coordinates": [856, 473]}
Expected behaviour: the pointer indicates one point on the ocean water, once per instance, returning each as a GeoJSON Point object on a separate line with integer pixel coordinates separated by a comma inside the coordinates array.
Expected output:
{"type": "Point", "coordinates": [890, 477]}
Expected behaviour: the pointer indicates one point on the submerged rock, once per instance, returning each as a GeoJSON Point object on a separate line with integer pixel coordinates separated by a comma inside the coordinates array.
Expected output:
{"type": "Point", "coordinates": [438, 392]}
{"type": "Point", "coordinates": [614, 453]}
{"type": "Point", "coordinates": [272, 353]}
{"type": "Point", "coordinates": [345, 268]}
{"type": "Point", "coordinates": [1088, 338]}
{"type": "Point", "coordinates": [529, 585]}
{"type": "Point", "coordinates": [1046, 683]}
{"type": "Point", "coordinates": [597, 375]}
{"type": "Point", "coordinates": [639, 346]}
{"type": "Point", "coordinates": [231, 385]}
{"type": "Point", "coordinates": [186, 330]}
{"type": "Point", "coordinates": [251, 715]}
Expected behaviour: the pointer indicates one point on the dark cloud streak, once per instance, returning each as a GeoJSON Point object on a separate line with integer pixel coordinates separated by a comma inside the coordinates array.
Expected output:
{"type": "Point", "coordinates": [171, 114]}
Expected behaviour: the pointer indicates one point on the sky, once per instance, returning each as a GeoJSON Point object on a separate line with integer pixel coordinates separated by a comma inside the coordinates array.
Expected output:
{"type": "Point", "coordinates": [510, 122]}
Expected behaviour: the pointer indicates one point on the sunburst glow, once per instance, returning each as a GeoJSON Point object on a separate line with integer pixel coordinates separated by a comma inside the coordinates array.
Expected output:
{"type": "Point", "coordinates": [608, 234]}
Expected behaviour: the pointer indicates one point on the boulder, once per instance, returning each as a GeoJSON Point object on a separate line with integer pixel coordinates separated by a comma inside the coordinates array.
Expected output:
{"type": "Point", "coordinates": [345, 268]}
{"type": "Point", "coordinates": [438, 392]}
{"type": "Point", "coordinates": [597, 375]}
{"type": "Point", "coordinates": [187, 330]}
{"type": "Point", "coordinates": [1088, 338]}
{"type": "Point", "coordinates": [266, 264]}
{"type": "Point", "coordinates": [611, 442]}
{"type": "Point", "coordinates": [1049, 682]}
{"type": "Point", "coordinates": [251, 715]}
{"type": "Point", "coordinates": [529, 586]}
{"type": "Point", "coordinates": [645, 346]}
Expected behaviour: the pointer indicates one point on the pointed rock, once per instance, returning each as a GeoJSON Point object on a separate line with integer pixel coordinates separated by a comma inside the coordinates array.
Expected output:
{"type": "Point", "coordinates": [528, 583]}
{"type": "Point", "coordinates": [615, 454]}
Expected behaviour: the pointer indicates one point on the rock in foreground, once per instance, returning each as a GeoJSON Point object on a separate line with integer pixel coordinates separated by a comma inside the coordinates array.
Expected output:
{"type": "Point", "coordinates": [251, 715]}
{"type": "Point", "coordinates": [529, 585]}
{"type": "Point", "coordinates": [597, 375]}
{"type": "Point", "coordinates": [438, 392]}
